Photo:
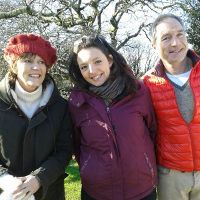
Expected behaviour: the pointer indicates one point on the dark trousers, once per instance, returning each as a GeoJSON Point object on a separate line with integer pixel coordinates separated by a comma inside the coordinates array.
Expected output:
{"type": "Point", "coordinates": [151, 196]}
{"type": "Point", "coordinates": [85, 196]}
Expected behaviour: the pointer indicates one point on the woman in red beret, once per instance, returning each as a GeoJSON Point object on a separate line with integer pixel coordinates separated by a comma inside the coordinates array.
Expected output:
{"type": "Point", "coordinates": [35, 127]}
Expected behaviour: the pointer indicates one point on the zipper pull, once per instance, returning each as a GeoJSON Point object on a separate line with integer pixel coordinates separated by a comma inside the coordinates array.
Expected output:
{"type": "Point", "coordinates": [107, 109]}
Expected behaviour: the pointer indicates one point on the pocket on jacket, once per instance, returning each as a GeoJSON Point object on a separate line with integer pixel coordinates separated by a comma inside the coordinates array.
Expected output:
{"type": "Point", "coordinates": [93, 171]}
{"type": "Point", "coordinates": [163, 170]}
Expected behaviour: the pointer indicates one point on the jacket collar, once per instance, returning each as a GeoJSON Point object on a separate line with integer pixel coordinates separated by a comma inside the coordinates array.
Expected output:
{"type": "Point", "coordinates": [159, 69]}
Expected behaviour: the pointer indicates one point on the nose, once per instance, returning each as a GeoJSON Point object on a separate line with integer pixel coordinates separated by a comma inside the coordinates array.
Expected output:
{"type": "Point", "coordinates": [174, 41]}
{"type": "Point", "coordinates": [35, 65]}
{"type": "Point", "coordinates": [91, 69]}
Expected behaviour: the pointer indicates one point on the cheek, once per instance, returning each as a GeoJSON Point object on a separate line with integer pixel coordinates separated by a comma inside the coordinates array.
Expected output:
{"type": "Point", "coordinates": [84, 74]}
{"type": "Point", "coordinates": [20, 70]}
{"type": "Point", "coordinates": [44, 72]}
{"type": "Point", "coordinates": [162, 48]}
{"type": "Point", "coordinates": [19, 73]}
{"type": "Point", "coordinates": [108, 71]}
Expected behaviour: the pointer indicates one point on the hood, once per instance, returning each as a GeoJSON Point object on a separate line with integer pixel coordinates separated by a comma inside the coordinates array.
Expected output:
{"type": "Point", "coordinates": [5, 93]}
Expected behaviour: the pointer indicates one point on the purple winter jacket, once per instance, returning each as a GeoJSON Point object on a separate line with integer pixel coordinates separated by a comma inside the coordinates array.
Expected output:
{"type": "Point", "coordinates": [114, 145]}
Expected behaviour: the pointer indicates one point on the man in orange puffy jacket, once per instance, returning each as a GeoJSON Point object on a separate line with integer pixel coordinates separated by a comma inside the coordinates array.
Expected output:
{"type": "Point", "coordinates": [174, 84]}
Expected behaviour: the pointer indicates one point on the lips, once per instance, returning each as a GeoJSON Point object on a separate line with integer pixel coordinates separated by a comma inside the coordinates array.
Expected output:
{"type": "Point", "coordinates": [35, 75]}
{"type": "Point", "coordinates": [176, 51]}
{"type": "Point", "coordinates": [96, 77]}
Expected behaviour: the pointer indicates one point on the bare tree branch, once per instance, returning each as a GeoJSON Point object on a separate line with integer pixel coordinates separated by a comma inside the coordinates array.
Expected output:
{"type": "Point", "coordinates": [14, 13]}
{"type": "Point", "coordinates": [62, 21]}
{"type": "Point", "coordinates": [130, 37]}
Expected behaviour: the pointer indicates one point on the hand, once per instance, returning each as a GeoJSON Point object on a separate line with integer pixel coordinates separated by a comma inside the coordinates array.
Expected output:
{"type": "Point", "coordinates": [29, 186]}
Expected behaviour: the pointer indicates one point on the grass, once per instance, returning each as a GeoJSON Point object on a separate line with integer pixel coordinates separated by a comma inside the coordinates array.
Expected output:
{"type": "Point", "coordinates": [72, 182]}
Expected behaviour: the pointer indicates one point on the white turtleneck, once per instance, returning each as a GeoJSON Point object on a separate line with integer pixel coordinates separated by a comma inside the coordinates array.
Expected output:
{"type": "Point", "coordinates": [29, 102]}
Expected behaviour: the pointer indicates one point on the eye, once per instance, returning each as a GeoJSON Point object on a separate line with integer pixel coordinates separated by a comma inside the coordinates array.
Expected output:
{"type": "Point", "coordinates": [27, 61]}
{"type": "Point", "coordinates": [98, 61]}
{"type": "Point", "coordinates": [42, 62]}
{"type": "Point", "coordinates": [180, 34]}
{"type": "Point", "coordinates": [83, 68]}
{"type": "Point", "coordinates": [165, 38]}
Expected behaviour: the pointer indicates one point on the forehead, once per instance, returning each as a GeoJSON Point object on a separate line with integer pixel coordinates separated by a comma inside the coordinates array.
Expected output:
{"type": "Point", "coordinates": [89, 53]}
{"type": "Point", "coordinates": [168, 25]}
{"type": "Point", "coordinates": [29, 56]}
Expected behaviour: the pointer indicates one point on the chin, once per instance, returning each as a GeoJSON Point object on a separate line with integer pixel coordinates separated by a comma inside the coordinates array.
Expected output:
{"type": "Point", "coordinates": [99, 84]}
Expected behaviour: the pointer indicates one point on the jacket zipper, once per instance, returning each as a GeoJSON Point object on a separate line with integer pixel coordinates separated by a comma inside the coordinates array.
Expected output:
{"type": "Point", "coordinates": [114, 131]}
{"type": "Point", "coordinates": [192, 146]}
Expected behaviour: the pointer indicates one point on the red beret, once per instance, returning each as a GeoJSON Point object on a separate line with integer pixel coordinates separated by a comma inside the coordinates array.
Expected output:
{"type": "Point", "coordinates": [30, 43]}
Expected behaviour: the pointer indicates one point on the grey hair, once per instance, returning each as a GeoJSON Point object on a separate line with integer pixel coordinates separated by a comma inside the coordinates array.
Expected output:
{"type": "Point", "coordinates": [160, 19]}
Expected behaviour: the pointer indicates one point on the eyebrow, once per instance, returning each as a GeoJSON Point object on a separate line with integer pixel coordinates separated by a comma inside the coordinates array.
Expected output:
{"type": "Point", "coordinates": [179, 31]}
{"type": "Point", "coordinates": [82, 64]}
{"type": "Point", "coordinates": [92, 60]}
{"type": "Point", "coordinates": [96, 58]}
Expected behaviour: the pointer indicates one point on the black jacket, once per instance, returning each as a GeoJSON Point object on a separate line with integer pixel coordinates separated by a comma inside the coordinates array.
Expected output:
{"type": "Point", "coordinates": [40, 146]}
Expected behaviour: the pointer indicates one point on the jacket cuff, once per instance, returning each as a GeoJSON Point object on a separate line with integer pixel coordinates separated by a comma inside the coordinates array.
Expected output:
{"type": "Point", "coordinates": [43, 188]}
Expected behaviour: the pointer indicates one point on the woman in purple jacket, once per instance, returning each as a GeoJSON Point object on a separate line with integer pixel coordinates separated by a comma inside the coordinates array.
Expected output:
{"type": "Point", "coordinates": [114, 125]}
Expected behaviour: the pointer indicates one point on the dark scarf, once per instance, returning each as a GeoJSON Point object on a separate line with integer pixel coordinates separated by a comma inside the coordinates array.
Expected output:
{"type": "Point", "coordinates": [109, 90]}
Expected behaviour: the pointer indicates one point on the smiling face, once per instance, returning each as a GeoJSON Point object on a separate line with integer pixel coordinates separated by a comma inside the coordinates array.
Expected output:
{"type": "Point", "coordinates": [30, 72]}
{"type": "Point", "coordinates": [171, 43]}
{"type": "Point", "coordinates": [94, 65]}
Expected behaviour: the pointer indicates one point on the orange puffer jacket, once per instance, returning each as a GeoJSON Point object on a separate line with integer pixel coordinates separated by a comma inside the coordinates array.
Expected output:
{"type": "Point", "coordinates": [178, 143]}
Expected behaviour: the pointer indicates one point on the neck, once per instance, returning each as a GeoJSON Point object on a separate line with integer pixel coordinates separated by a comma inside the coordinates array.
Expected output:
{"type": "Point", "coordinates": [27, 96]}
{"type": "Point", "coordinates": [178, 68]}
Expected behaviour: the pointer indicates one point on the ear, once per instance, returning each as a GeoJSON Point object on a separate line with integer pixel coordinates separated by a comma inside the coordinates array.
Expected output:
{"type": "Point", "coordinates": [14, 69]}
{"type": "Point", "coordinates": [110, 60]}
{"type": "Point", "coordinates": [153, 46]}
